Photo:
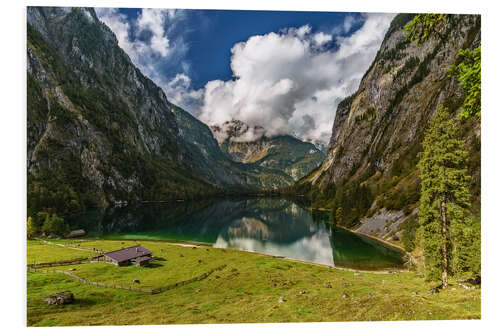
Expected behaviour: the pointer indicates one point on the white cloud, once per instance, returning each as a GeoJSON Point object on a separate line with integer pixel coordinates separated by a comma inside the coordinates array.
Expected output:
{"type": "Point", "coordinates": [150, 44]}
{"type": "Point", "coordinates": [286, 85]}
{"type": "Point", "coordinates": [180, 92]}
{"type": "Point", "coordinates": [321, 38]}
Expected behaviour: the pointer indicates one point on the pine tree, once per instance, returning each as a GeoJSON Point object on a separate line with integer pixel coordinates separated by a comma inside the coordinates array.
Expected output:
{"type": "Point", "coordinates": [445, 200]}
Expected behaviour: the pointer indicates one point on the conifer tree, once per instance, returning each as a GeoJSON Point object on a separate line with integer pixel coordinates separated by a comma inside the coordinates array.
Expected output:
{"type": "Point", "coordinates": [445, 200]}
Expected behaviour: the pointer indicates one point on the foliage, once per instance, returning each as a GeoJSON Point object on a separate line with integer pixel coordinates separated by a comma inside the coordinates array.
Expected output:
{"type": "Point", "coordinates": [53, 224]}
{"type": "Point", "coordinates": [409, 234]}
{"type": "Point", "coordinates": [445, 200]}
{"type": "Point", "coordinates": [350, 204]}
{"type": "Point", "coordinates": [468, 72]}
{"type": "Point", "coordinates": [31, 230]}
{"type": "Point", "coordinates": [422, 26]}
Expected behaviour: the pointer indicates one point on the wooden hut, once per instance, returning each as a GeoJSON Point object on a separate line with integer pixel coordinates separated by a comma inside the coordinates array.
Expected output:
{"type": "Point", "coordinates": [137, 255]}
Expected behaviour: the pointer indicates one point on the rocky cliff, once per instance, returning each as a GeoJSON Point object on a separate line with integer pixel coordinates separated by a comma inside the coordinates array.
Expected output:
{"type": "Point", "coordinates": [378, 131]}
{"type": "Point", "coordinates": [99, 131]}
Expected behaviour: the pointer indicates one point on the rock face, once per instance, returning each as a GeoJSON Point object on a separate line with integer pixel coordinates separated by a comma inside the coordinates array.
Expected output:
{"type": "Point", "coordinates": [61, 298]}
{"type": "Point", "coordinates": [378, 130]}
{"type": "Point", "coordinates": [96, 125]}
{"type": "Point", "coordinates": [285, 153]}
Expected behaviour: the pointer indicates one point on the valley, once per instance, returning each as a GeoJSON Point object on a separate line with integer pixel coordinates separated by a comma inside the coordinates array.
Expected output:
{"type": "Point", "coordinates": [282, 226]}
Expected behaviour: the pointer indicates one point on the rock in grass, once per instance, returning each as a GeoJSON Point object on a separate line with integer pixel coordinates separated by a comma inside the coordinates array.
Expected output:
{"type": "Point", "coordinates": [72, 269]}
{"type": "Point", "coordinates": [356, 274]}
{"type": "Point", "coordinates": [198, 290]}
{"type": "Point", "coordinates": [345, 295]}
{"type": "Point", "coordinates": [61, 298]}
{"type": "Point", "coordinates": [302, 292]}
{"type": "Point", "coordinates": [137, 281]}
{"type": "Point", "coordinates": [433, 290]}
{"type": "Point", "coordinates": [466, 286]}
{"type": "Point", "coordinates": [282, 299]}
{"type": "Point", "coordinates": [328, 285]}
{"type": "Point", "coordinates": [181, 255]}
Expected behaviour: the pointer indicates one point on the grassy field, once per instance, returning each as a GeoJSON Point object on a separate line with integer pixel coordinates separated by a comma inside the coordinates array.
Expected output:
{"type": "Point", "coordinates": [249, 289]}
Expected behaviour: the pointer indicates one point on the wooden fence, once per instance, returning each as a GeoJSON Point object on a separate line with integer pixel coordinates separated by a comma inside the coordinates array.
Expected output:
{"type": "Point", "coordinates": [183, 283]}
{"type": "Point", "coordinates": [93, 283]}
{"type": "Point", "coordinates": [143, 290]}
{"type": "Point", "coordinates": [62, 262]}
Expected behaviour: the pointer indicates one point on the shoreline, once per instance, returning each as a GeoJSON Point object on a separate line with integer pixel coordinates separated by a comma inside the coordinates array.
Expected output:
{"type": "Point", "coordinates": [199, 245]}
{"type": "Point", "coordinates": [362, 233]}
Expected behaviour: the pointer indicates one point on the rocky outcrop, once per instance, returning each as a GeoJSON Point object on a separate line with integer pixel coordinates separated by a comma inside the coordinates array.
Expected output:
{"type": "Point", "coordinates": [248, 145]}
{"type": "Point", "coordinates": [61, 298]}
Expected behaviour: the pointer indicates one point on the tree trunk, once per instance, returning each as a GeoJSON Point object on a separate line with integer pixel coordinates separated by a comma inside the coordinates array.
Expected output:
{"type": "Point", "coordinates": [444, 235]}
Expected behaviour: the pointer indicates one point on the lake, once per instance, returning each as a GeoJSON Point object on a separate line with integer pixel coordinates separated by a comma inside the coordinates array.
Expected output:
{"type": "Point", "coordinates": [271, 226]}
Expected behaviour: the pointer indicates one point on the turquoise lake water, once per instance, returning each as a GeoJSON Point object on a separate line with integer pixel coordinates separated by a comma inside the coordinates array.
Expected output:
{"type": "Point", "coordinates": [271, 226]}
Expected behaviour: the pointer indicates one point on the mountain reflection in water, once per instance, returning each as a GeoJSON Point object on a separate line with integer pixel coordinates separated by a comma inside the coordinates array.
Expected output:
{"type": "Point", "coordinates": [270, 226]}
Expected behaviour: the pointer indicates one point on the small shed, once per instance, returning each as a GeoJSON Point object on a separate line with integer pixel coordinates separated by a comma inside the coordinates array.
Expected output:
{"type": "Point", "coordinates": [137, 255]}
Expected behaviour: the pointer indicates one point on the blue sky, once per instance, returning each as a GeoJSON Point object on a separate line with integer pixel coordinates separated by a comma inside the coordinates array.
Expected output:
{"type": "Point", "coordinates": [283, 70]}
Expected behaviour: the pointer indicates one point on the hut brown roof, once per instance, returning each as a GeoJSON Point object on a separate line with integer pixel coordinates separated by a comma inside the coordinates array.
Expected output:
{"type": "Point", "coordinates": [128, 253]}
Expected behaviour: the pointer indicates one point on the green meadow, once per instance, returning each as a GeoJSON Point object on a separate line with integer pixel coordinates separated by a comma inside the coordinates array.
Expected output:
{"type": "Point", "coordinates": [251, 288]}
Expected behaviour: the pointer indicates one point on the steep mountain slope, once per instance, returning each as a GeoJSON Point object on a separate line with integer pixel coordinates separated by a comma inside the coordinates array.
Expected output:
{"type": "Point", "coordinates": [294, 157]}
{"type": "Point", "coordinates": [99, 131]}
{"type": "Point", "coordinates": [378, 131]}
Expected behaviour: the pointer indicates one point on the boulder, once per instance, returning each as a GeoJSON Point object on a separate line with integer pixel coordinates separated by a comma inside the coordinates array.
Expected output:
{"type": "Point", "coordinates": [61, 298]}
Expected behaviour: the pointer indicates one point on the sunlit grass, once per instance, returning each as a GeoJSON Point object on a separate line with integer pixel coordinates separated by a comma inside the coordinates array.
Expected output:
{"type": "Point", "coordinates": [247, 290]}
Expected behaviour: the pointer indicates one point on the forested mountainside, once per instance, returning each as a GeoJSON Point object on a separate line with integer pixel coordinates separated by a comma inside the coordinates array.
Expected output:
{"type": "Point", "coordinates": [370, 170]}
{"type": "Point", "coordinates": [99, 131]}
{"type": "Point", "coordinates": [292, 156]}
